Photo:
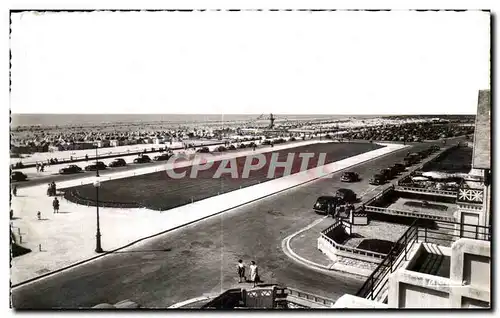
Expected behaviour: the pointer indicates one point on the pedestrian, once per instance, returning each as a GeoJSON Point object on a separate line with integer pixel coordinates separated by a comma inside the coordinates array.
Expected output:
{"type": "Point", "coordinates": [11, 214]}
{"type": "Point", "coordinates": [55, 205]}
{"type": "Point", "coordinates": [86, 157]}
{"type": "Point", "coordinates": [42, 167]}
{"type": "Point", "coordinates": [14, 191]}
{"type": "Point", "coordinates": [241, 270]}
{"type": "Point", "coordinates": [39, 215]}
{"type": "Point", "coordinates": [37, 167]}
{"type": "Point", "coordinates": [254, 273]}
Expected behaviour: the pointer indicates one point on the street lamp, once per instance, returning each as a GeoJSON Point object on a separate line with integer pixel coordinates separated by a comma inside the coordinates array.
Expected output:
{"type": "Point", "coordinates": [98, 247]}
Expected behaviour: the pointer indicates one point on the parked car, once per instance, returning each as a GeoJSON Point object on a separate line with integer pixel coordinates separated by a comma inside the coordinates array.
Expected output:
{"type": "Point", "coordinates": [349, 177]}
{"type": "Point", "coordinates": [97, 166]}
{"type": "Point", "coordinates": [118, 162]}
{"type": "Point", "coordinates": [142, 159]}
{"type": "Point", "coordinates": [377, 179]}
{"type": "Point", "coordinates": [411, 159]}
{"type": "Point", "coordinates": [231, 147]}
{"type": "Point", "coordinates": [221, 149]}
{"type": "Point", "coordinates": [162, 157]}
{"type": "Point", "coordinates": [241, 146]}
{"type": "Point", "coordinates": [203, 150]}
{"type": "Point", "coordinates": [252, 144]}
{"type": "Point", "coordinates": [388, 173]}
{"type": "Point", "coordinates": [18, 176]}
{"type": "Point", "coordinates": [70, 169]}
{"type": "Point", "coordinates": [399, 167]}
{"type": "Point", "coordinates": [321, 205]}
{"type": "Point", "coordinates": [346, 195]}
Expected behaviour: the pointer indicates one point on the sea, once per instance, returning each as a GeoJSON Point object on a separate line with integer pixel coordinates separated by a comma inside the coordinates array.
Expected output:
{"type": "Point", "coordinates": [48, 120]}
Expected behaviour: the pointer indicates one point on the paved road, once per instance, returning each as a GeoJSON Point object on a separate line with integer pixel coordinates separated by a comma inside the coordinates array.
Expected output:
{"type": "Point", "coordinates": [201, 258]}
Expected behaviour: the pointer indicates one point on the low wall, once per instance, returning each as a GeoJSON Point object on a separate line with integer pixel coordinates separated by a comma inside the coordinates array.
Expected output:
{"type": "Point", "coordinates": [327, 245]}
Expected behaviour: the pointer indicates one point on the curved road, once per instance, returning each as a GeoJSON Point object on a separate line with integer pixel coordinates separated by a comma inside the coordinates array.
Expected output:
{"type": "Point", "coordinates": [201, 258]}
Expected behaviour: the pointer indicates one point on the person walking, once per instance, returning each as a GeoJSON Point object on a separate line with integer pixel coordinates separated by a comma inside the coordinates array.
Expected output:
{"type": "Point", "coordinates": [254, 273]}
{"type": "Point", "coordinates": [241, 270]}
{"type": "Point", "coordinates": [14, 191]}
{"type": "Point", "coordinates": [55, 205]}
{"type": "Point", "coordinates": [37, 167]}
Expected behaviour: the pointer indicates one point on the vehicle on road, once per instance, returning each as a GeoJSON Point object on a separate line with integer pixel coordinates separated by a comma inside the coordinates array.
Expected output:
{"type": "Point", "coordinates": [203, 150]}
{"type": "Point", "coordinates": [411, 159]}
{"type": "Point", "coordinates": [323, 202]}
{"type": "Point", "coordinates": [142, 159]}
{"type": "Point", "coordinates": [350, 177]}
{"type": "Point", "coordinates": [377, 179]}
{"type": "Point", "coordinates": [18, 176]}
{"type": "Point", "coordinates": [118, 162]}
{"type": "Point", "coordinates": [346, 195]}
{"type": "Point", "coordinates": [388, 173]}
{"type": "Point", "coordinates": [70, 169]}
{"type": "Point", "coordinates": [162, 157]}
{"type": "Point", "coordinates": [97, 166]}
{"type": "Point", "coordinates": [231, 147]}
{"type": "Point", "coordinates": [399, 167]}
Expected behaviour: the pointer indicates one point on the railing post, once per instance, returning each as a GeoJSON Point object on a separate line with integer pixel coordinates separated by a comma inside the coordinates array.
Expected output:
{"type": "Point", "coordinates": [371, 287]}
{"type": "Point", "coordinates": [406, 242]}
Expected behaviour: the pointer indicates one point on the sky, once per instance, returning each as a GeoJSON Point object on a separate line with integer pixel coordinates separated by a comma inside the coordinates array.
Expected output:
{"type": "Point", "coordinates": [344, 62]}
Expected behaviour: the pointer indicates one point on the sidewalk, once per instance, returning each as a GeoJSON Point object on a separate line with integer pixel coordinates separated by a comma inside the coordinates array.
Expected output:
{"type": "Point", "coordinates": [69, 237]}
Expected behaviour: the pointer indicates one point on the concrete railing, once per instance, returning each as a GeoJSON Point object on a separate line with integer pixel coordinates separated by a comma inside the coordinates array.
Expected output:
{"type": "Point", "coordinates": [408, 214]}
{"type": "Point", "coordinates": [347, 249]}
{"type": "Point", "coordinates": [445, 193]}
{"type": "Point", "coordinates": [309, 297]}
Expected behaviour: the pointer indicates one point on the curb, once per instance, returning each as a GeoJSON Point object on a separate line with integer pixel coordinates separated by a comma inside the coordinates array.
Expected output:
{"type": "Point", "coordinates": [192, 222]}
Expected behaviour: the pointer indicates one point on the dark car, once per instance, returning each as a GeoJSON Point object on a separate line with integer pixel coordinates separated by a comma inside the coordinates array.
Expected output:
{"type": "Point", "coordinates": [97, 166]}
{"type": "Point", "coordinates": [162, 157]}
{"type": "Point", "coordinates": [349, 177]}
{"type": "Point", "coordinates": [203, 150]}
{"type": "Point", "coordinates": [322, 204]}
{"type": "Point", "coordinates": [18, 176]}
{"type": "Point", "coordinates": [221, 149]}
{"type": "Point", "coordinates": [119, 162]}
{"type": "Point", "coordinates": [388, 173]}
{"type": "Point", "coordinates": [70, 169]}
{"type": "Point", "coordinates": [411, 159]}
{"type": "Point", "coordinates": [231, 147]}
{"type": "Point", "coordinates": [142, 159]}
{"type": "Point", "coordinates": [252, 144]}
{"type": "Point", "coordinates": [399, 167]}
{"type": "Point", "coordinates": [346, 195]}
{"type": "Point", "coordinates": [377, 179]}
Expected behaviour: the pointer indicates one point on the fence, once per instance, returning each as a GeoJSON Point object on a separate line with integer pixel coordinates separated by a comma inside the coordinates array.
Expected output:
{"type": "Point", "coordinates": [408, 214]}
{"type": "Point", "coordinates": [375, 285]}
{"type": "Point", "coordinates": [347, 249]}
{"type": "Point", "coordinates": [309, 297]}
{"type": "Point", "coordinates": [447, 193]}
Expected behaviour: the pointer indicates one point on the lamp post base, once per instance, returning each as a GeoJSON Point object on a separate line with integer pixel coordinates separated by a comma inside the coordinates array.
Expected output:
{"type": "Point", "coordinates": [98, 248]}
